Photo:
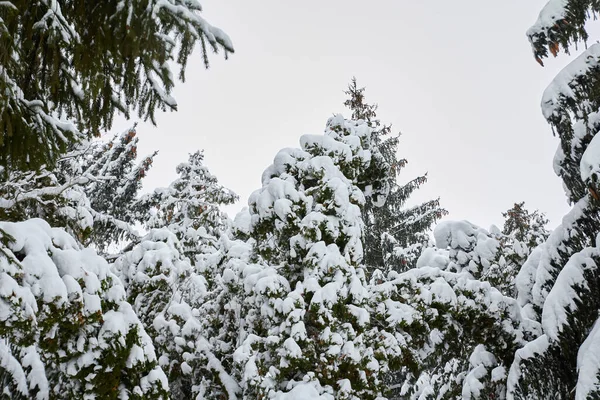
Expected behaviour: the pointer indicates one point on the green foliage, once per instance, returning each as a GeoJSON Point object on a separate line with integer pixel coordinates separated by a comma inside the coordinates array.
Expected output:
{"type": "Point", "coordinates": [91, 192]}
{"type": "Point", "coordinates": [525, 226]}
{"type": "Point", "coordinates": [84, 61]}
{"type": "Point", "coordinates": [567, 27]}
{"type": "Point", "coordinates": [460, 331]}
{"type": "Point", "coordinates": [115, 178]}
{"type": "Point", "coordinates": [189, 207]}
{"type": "Point", "coordinates": [169, 297]}
{"type": "Point", "coordinates": [558, 285]}
{"type": "Point", "coordinates": [67, 331]}
{"type": "Point", "coordinates": [394, 234]}
{"type": "Point", "coordinates": [305, 301]}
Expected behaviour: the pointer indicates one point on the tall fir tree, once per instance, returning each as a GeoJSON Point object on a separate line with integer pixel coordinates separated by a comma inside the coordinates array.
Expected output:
{"type": "Point", "coordinates": [306, 330]}
{"type": "Point", "coordinates": [56, 91]}
{"type": "Point", "coordinates": [190, 207]}
{"type": "Point", "coordinates": [91, 192]}
{"type": "Point", "coordinates": [168, 295]}
{"type": "Point", "coordinates": [171, 281]}
{"type": "Point", "coordinates": [457, 310]}
{"type": "Point", "coordinates": [559, 285]}
{"type": "Point", "coordinates": [394, 233]}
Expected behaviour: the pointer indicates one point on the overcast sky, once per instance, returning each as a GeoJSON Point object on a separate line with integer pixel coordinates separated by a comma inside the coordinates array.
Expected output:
{"type": "Point", "coordinates": [456, 78]}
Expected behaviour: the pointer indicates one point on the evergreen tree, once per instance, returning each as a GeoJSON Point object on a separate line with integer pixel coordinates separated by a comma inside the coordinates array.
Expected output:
{"type": "Point", "coordinates": [559, 284]}
{"type": "Point", "coordinates": [113, 194]}
{"type": "Point", "coordinates": [460, 331]}
{"type": "Point", "coordinates": [91, 192]}
{"type": "Point", "coordinates": [306, 308]}
{"type": "Point", "coordinates": [458, 310]}
{"type": "Point", "coordinates": [66, 329]}
{"type": "Point", "coordinates": [523, 231]}
{"type": "Point", "coordinates": [394, 234]}
{"type": "Point", "coordinates": [190, 207]}
{"type": "Point", "coordinates": [171, 281]}
{"type": "Point", "coordinates": [56, 90]}
{"type": "Point", "coordinates": [525, 226]}
{"type": "Point", "coordinates": [168, 296]}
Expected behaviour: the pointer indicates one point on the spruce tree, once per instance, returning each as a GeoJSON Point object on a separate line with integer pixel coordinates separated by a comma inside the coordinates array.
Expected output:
{"type": "Point", "coordinates": [69, 66]}
{"type": "Point", "coordinates": [190, 207]}
{"type": "Point", "coordinates": [394, 233]}
{"type": "Point", "coordinates": [168, 296]}
{"type": "Point", "coordinates": [525, 226]}
{"type": "Point", "coordinates": [66, 328]}
{"type": "Point", "coordinates": [559, 285]}
{"type": "Point", "coordinates": [522, 232]}
{"type": "Point", "coordinates": [91, 192]}
{"type": "Point", "coordinates": [172, 281]}
{"type": "Point", "coordinates": [460, 330]}
{"type": "Point", "coordinates": [113, 190]}
{"type": "Point", "coordinates": [457, 310]}
{"type": "Point", "coordinates": [307, 330]}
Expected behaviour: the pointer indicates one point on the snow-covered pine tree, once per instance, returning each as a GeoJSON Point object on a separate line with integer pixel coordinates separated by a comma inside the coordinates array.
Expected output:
{"type": "Point", "coordinates": [66, 329]}
{"type": "Point", "coordinates": [168, 296]}
{"type": "Point", "coordinates": [306, 313]}
{"type": "Point", "coordinates": [190, 207]}
{"type": "Point", "coordinates": [116, 178]}
{"type": "Point", "coordinates": [459, 331]}
{"type": "Point", "coordinates": [91, 192]}
{"type": "Point", "coordinates": [50, 77]}
{"type": "Point", "coordinates": [394, 234]}
{"type": "Point", "coordinates": [559, 285]}
{"type": "Point", "coordinates": [522, 232]}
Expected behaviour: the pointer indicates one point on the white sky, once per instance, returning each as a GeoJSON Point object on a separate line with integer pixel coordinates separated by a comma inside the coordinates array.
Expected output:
{"type": "Point", "coordinates": [457, 78]}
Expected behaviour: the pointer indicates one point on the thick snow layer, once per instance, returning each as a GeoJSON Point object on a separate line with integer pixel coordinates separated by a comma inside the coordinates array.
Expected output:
{"type": "Point", "coordinates": [552, 250]}
{"type": "Point", "coordinates": [563, 84]}
{"type": "Point", "coordinates": [530, 350]}
{"type": "Point", "coordinates": [9, 363]}
{"type": "Point", "coordinates": [481, 361]}
{"type": "Point", "coordinates": [304, 391]}
{"type": "Point", "coordinates": [454, 234]}
{"type": "Point", "coordinates": [588, 365]}
{"type": "Point", "coordinates": [525, 279]}
{"type": "Point", "coordinates": [552, 12]}
{"type": "Point", "coordinates": [466, 236]}
{"type": "Point", "coordinates": [590, 161]}
{"type": "Point", "coordinates": [433, 257]}
{"type": "Point", "coordinates": [562, 299]}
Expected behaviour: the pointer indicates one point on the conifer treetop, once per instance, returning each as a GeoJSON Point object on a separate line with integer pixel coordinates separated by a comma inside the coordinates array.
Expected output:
{"type": "Point", "coordinates": [307, 325]}
{"type": "Point", "coordinates": [394, 233]}
{"type": "Point", "coordinates": [190, 206]}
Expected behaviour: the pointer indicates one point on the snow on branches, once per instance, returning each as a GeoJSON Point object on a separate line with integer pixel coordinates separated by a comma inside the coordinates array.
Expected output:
{"type": "Point", "coordinates": [57, 91]}
{"type": "Point", "coordinates": [91, 191]}
{"type": "Point", "coordinates": [190, 207]}
{"type": "Point", "coordinates": [67, 329]}
{"type": "Point", "coordinates": [307, 327]}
